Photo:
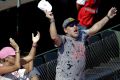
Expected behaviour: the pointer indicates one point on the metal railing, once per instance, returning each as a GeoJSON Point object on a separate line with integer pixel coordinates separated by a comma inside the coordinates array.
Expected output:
{"type": "Point", "coordinates": [102, 55]}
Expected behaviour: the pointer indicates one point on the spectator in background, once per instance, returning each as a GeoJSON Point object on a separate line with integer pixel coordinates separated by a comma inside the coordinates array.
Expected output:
{"type": "Point", "coordinates": [86, 12]}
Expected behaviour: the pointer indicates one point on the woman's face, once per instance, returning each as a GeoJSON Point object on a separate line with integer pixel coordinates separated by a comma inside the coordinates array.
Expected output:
{"type": "Point", "coordinates": [10, 59]}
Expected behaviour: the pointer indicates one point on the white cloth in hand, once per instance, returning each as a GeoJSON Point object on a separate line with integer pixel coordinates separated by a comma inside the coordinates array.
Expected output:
{"type": "Point", "coordinates": [81, 2]}
{"type": "Point", "coordinates": [44, 5]}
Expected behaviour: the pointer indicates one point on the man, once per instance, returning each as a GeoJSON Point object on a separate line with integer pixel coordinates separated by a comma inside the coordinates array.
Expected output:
{"type": "Point", "coordinates": [71, 52]}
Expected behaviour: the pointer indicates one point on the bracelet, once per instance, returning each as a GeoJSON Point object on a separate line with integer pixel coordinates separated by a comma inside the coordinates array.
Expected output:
{"type": "Point", "coordinates": [52, 20]}
{"type": "Point", "coordinates": [17, 51]}
{"type": "Point", "coordinates": [34, 45]}
{"type": "Point", "coordinates": [108, 17]}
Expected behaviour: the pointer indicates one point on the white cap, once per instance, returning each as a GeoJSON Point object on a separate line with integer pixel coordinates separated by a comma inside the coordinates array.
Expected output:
{"type": "Point", "coordinates": [44, 5]}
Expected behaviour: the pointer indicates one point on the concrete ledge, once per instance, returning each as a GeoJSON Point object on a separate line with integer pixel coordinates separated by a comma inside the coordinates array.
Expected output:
{"type": "Point", "coordinates": [11, 3]}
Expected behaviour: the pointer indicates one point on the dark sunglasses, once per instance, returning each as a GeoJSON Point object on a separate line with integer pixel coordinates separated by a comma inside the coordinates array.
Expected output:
{"type": "Point", "coordinates": [72, 24]}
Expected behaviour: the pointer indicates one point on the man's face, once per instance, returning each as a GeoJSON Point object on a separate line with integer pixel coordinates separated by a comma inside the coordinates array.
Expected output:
{"type": "Point", "coordinates": [72, 30]}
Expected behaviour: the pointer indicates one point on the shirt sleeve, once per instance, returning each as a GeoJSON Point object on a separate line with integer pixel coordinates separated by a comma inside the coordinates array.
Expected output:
{"type": "Point", "coordinates": [62, 37]}
{"type": "Point", "coordinates": [81, 2]}
{"type": "Point", "coordinates": [33, 72]}
{"type": "Point", "coordinates": [83, 35]}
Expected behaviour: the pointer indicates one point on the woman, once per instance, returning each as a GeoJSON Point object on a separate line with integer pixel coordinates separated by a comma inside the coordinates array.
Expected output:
{"type": "Point", "coordinates": [7, 52]}
{"type": "Point", "coordinates": [19, 74]}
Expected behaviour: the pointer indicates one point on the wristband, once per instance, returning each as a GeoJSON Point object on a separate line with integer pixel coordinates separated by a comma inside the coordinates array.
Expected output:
{"type": "Point", "coordinates": [108, 17]}
{"type": "Point", "coordinates": [52, 20]}
{"type": "Point", "coordinates": [17, 51]}
{"type": "Point", "coordinates": [34, 45]}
